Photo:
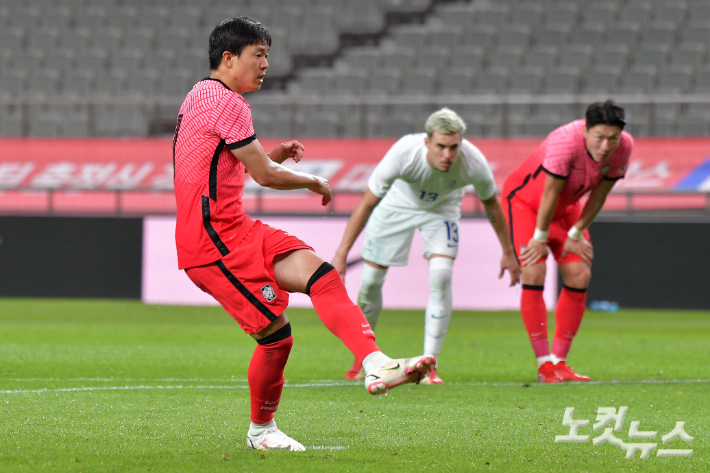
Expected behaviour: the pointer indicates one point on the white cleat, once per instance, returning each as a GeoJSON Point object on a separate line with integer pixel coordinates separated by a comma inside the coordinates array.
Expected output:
{"type": "Point", "coordinates": [274, 439]}
{"type": "Point", "coordinates": [396, 372]}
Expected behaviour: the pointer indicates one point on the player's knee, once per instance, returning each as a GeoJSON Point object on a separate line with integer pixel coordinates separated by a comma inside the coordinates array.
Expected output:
{"type": "Point", "coordinates": [534, 275]}
{"type": "Point", "coordinates": [281, 335]}
{"type": "Point", "coordinates": [372, 279]}
{"type": "Point", "coordinates": [582, 277]}
{"type": "Point", "coordinates": [440, 271]}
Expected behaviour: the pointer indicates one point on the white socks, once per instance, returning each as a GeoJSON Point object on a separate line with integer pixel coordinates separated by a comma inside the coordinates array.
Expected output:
{"type": "Point", "coordinates": [370, 296]}
{"type": "Point", "coordinates": [375, 361]}
{"type": "Point", "coordinates": [257, 429]}
{"type": "Point", "coordinates": [544, 359]}
{"type": "Point", "coordinates": [556, 360]}
{"type": "Point", "coordinates": [438, 310]}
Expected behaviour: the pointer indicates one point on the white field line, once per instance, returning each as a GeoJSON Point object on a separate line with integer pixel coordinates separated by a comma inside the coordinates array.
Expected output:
{"type": "Point", "coordinates": [330, 383]}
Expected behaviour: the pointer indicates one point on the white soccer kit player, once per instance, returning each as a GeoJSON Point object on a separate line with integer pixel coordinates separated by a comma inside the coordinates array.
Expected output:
{"type": "Point", "coordinates": [415, 195]}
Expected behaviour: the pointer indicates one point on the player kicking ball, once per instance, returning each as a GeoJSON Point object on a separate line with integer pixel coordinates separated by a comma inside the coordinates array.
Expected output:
{"type": "Point", "coordinates": [544, 211]}
{"type": "Point", "coordinates": [419, 184]}
{"type": "Point", "coordinates": [246, 265]}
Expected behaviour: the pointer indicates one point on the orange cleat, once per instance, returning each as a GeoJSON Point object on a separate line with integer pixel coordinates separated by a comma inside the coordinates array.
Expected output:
{"type": "Point", "coordinates": [356, 372]}
{"type": "Point", "coordinates": [567, 373]}
{"type": "Point", "coordinates": [547, 374]}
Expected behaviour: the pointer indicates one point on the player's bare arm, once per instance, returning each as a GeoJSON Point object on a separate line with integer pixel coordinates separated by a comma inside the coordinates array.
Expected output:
{"type": "Point", "coordinates": [289, 149]}
{"type": "Point", "coordinates": [269, 174]}
{"type": "Point", "coordinates": [353, 229]}
{"type": "Point", "coordinates": [580, 245]}
{"type": "Point", "coordinates": [508, 262]}
{"type": "Point", "coordinates": [536, 250]}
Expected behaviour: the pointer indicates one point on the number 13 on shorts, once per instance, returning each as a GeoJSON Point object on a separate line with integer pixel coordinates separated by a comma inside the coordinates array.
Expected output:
{"type": "Point", "coordinates": [452, 233]}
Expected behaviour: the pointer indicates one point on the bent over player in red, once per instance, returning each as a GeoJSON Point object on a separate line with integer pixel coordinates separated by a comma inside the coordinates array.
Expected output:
{"type": "Point", "coordinates": [544, 211]}
{"type": "Point", "coordinates": [246, 265]}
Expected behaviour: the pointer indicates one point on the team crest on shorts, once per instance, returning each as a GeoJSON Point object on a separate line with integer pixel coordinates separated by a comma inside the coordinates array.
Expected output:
{"type": "Point", "coordinates": [268, 293]}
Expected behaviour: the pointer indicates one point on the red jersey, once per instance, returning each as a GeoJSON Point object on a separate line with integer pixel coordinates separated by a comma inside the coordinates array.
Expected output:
{"type": "Point", "coordinates": [209, 180]}
{"type": "Point", "coordinates": [564, 154]}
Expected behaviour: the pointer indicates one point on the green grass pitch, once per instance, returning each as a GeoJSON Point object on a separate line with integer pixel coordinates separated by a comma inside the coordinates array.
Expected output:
{"type": "Point", "coordinates": [120, 386]}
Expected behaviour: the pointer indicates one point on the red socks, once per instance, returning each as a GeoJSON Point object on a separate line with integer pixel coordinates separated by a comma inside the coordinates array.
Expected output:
{"type": "Point", "coordinates": [534, 312]}
{"type": "Point", "coordinates": [338, 313]}
{"type": "Point", "coordinates": [266, 374]}
{"type": "Point", "coordinates": [568, 316]}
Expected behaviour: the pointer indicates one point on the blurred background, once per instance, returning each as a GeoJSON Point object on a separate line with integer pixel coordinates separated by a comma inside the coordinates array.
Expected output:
{"type": "Point", "coordinates": [90, 90]}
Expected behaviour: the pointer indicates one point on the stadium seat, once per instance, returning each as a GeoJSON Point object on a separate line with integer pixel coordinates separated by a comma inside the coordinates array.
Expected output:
{"type": "Point", "coordinates": [554, 34]}
{"type": "Point", "coordinates": [468, 56]}
{"type": "Point", "coordinates": [316, 34]}
{"type": "Point", "coordinates": [697, 32]}
{"type": "Point", "coordinates": [395, 56]}
{"type": "Point", "coordinates": [61, 59]}
{"type": "Point", "coordinates": [491, 14]}
{"type": "Point", "coordinates": [563, 80]}
{"type": "Point", "coordinates": [652, 55]}
{"type": "Point", "coordinates": [660, 32]}
{"type": "Point", "coordinates": [11, 121]}
{"type": "Point", "coordinates": [78, 81]}
{"type": "Point", "coordinates": [602, 80]}
{"type": "Point", "coordinates": [544, 56]}
{"type": "Point", "coordinates": [675, 79]}
{"type": "Point", "coordinates": [45, 38]}
{"type": "Point", "coordinates": [689, 54]}
{"type": "Point", "coordinates": [31, 60]}
{"type": "Point", "coordinates": [406, 6]}
{"type": "Point", "coordinates": [576, 55]}
{"type": "Point", "coordinates": [153, 16]}
{"type": "Point", "coordinates": [528, 13]}
{"type": "Point", "coordinates": [639, 79]}
{"type": "Point", "coordinates": [437, 58]}
{"type": "Point", "coordinates": [514, 35]}
{"type": "Point", "coordinates": [483, 36]}
{"type": "Point", "coordinates": [527, 80]}
{"type": "Point", "coordinates": [590, 34]}
{"type": "Point", "coordinates": [507, 56]}
{"type": "Point", "coordinates": [366, 58]}
{"type": "Point", "coordinates": [637, 10]}
{"type": "Point", "coordinates": [611, 55]}
{"type": "Point", "coordinates": [350, 81]}
{"type": "Point", "coordinates": [45, 84]}
{"type": "Point", "coordinates": [140, 38]}
{"type": "Point", "coordinates": [565, 13]}
{"type": "Point", "coordinates": [492, 80]}
{"type": "Point", "coordinates": [13, 81]}
{"type": "Point", "coordinates": [364, 16]}
{"type": "Point", "coordinates": [409, 36]}
{"type": "Point", "coordinates": [457, 80]}
{"type": "Point", "coordinates": [124, 17]}
{"type": "Point", "coordinates": [385, 80]}
{"type": "Point", "coordinates": [600, 12]}
{"type": "Point", "coordinates": [671, 11]}
{"type": "Point", "coordinates": [77, 38]}
{"type": "Point", "coordinates": [45, 126]}
{"type": "Point", "coordinates": [129, 60]}
{"type": "Point", "coordinates": [624, 32]}
{"type": "Point", "coordinates": [702, 79]}
{"type": "Point", "coordinates": [457, 14]}
{"type": "Point", "coordinates": [420, 81]}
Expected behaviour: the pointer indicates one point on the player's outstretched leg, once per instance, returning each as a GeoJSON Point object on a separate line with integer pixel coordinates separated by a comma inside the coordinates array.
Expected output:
{"type": "Point", "coordinates": [370, 301]}
{"type": "Point", "coordinates": [438, 311]}
{"type": "Point", "coordinates": [347, 322]}
{"type": "Point", "coordinates": [266, 381]}
{"type": "Point", "coordinates": [568, 317]}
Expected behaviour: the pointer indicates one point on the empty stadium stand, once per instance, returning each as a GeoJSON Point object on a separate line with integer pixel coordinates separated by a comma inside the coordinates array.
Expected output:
{"type": "Point", "coordinates": [122, 67]}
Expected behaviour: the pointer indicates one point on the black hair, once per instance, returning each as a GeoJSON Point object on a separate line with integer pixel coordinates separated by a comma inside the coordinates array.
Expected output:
{"type": "Point", "coordinates": [235, 34]}
{"type": "Point", "coordinates": [605, 113]}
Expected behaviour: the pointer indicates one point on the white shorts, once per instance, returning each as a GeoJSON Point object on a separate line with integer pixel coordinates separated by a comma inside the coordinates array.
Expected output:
{"type": "Point", "coordinates": [389, 234]}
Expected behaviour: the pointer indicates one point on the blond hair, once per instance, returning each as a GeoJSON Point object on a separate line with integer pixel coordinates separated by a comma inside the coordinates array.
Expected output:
{"type": "Point", "coordinates": [444, 121]}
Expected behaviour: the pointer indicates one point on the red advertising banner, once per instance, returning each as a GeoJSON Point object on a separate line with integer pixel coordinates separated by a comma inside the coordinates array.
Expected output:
{"type": "Point", "coordinates": [141, 170]}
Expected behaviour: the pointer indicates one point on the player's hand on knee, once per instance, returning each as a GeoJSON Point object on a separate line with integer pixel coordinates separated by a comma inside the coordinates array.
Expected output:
{"type": "Point", "coordinates": [582, 248]}
{"type": "Point", "coordinates": [535, 252]}
{"type": "Point", "coordinates": [320, 186]}
{"type": "Point", "coordinates": [340, 265]}
{"type": "Point", "coordinates": [510, 263]}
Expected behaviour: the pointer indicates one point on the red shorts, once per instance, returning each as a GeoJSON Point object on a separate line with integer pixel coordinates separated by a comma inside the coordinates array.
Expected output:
{"type": "Point", "coordinates": [243, 281]}
{"type": "Point", "coordinates": [522, 220]}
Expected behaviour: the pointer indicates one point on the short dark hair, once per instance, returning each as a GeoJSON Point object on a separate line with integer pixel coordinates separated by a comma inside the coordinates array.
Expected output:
{"type": "Point", "coordinates": [605, 113]}
{"type": "Point", "coordinates": [235, 34]}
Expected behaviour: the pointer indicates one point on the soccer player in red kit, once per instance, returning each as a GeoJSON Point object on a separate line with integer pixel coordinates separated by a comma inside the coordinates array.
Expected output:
{"type": "Point", "coordinates": [246, 265]}
{"type": "Point", "coordinates": [544, 211]}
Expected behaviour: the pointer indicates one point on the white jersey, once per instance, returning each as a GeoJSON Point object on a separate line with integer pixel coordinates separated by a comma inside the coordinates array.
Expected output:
{"type": "Point", "coordinates": [407, 183]}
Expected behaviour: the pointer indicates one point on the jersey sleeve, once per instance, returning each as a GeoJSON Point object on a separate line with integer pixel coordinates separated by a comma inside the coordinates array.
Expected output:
{"type": "Point", "coordinates": [387, 171]}
{"type": "Point", "coordinates": [232, 121]}
{"type": "Point", "coordinates": [620, 161]}
{"type": "Point", "coordinates": [481, 175]}
{"type": "Point", "coordinates": [559, 153]}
